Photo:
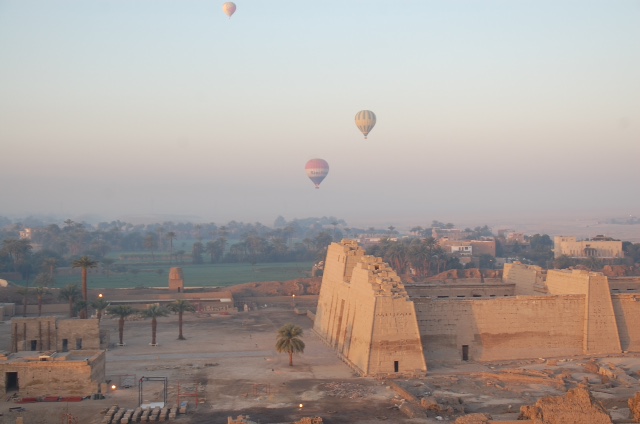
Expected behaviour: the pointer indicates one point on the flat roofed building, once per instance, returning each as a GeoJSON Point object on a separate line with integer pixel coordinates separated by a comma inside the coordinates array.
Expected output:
{"type": "Point", "coordinates": [597, 247]}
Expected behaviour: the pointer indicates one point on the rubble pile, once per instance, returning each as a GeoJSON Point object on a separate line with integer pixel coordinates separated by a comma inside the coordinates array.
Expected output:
{"type": "Point", "coordinates": [634, 407]}
{"type": "Point", "coordinates": [474, 419]}
{"type": "Point", "coordinates": [346, 390]}
{"type": "Point", "coordinates": [576, 407]}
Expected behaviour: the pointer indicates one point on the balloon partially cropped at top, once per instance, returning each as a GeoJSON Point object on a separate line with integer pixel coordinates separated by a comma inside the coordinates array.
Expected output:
{"type": "Point", "coordinates": [229, 8]}
{"type": "Point", "coordinates": [317, 169]}
{"type": "Point", "coordinates": [365, 121]}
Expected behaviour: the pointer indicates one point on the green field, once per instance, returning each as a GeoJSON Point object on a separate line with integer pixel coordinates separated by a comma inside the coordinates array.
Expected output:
{"type": "Point", "coordinates": [208, 275]}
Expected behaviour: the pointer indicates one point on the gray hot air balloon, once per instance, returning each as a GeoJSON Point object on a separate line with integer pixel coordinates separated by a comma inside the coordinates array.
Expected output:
{"type": "Point", "coordinates": [365, 121]}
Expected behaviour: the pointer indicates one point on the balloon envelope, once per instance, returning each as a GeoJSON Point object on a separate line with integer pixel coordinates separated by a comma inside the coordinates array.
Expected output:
{"type": "Point", "coordinates": [229, 8]}
{"type": "Point", "coordinates": [317, 169]}
{"type": "Point", "coordinates": [365, 121]}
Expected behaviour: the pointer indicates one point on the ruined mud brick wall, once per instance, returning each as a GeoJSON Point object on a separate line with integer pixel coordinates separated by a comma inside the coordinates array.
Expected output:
{"type": "Point", "coordinates": [76, 373]}
{"type": "Point", "coordinates": [529, 280]}
{"type": "Point", "coordinates": [501, 328]}
{"type": "Point", "coordinates": [176, 279]}
{"type": "Point", "coordinates": [600, 326]}
{"type": "Point", "coordinates": [37, 334]}
{"type": "Point", "coordinates": [79, 333]}
{"type": "Point", "coordinates": [366, 315]}
{"type": "Point", "coordinates": [48, 333]}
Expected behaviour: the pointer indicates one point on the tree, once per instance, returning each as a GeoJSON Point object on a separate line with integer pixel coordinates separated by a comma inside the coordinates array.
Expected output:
{"type": "Point", "coordinates": [18, 250]}
{"type": "Point", "coordinates": [71, 294]}
{"type": "Point", "coordinates": [25, 292]}
{"type": "Point", "coordinates": [180, 306]}
{"type": "Point", "coordinates": [100, 304]}
{"type": "Point", "coordinates": [122, 312]}
{"type": "Point", "coordinates": [50, 265]}
{"type": "Point", "coordinates": [171, 236]}
{"type": "Point", "coordinates": [154, 311]}
{"type": "Point", "coordinates": [563, 262]}
{"type": "Point", "coordinates": [43, 279]}
{"type": "Point", "coordinates": [41, 292]}
{"type": "Point", "coordinates": [196, 253]}
{"type": "Point", "coordinates": [85, 263]}
{"type": "Point", "coordinates": [151, 244]}
{"type": "Point", "coordinates": [289, 341]}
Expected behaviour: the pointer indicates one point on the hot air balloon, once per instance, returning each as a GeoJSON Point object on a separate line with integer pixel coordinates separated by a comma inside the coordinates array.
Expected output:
{"type": "Point", "coordinates": [317, 169]}
{"type": "Point", "coordinates": [365, 121]}
{"type": "Point", "coordinates": [229, 8]}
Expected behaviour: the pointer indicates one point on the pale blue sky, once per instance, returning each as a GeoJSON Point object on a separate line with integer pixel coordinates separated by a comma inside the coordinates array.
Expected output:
{"type": "Point", "coordinates": [485, 108]}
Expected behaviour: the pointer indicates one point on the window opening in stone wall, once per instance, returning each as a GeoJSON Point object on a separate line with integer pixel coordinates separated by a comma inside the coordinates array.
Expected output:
{"type": "Point", "coordinates": [477, 295]}
{"type": "Point", "coordinates": [34, 345]}
{"type": "Point", "coordinates": [396, 366]}
{"type": "Point", "coordinates": [465, 352]}
{"type": "Point", "coordinates": [11, 381]}
{"type": "Point", "coordinates": [79, 344]}
{"type": "Point", "coordinates": [65, 345]}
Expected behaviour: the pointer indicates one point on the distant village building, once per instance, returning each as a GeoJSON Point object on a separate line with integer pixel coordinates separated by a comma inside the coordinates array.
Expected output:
{"type": "Point", "coordinates": [449, 233]}
{"type": "Point", "coordinates": [597, 247]}
{"type": "Point", "coordinates": [27, 234]}
{"type": "Point", "coordinates": [487, 246]}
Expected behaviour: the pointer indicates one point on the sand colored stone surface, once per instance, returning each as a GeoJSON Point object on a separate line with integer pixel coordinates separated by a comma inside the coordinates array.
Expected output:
{"type": "Point", "coordinates": [230, 362]}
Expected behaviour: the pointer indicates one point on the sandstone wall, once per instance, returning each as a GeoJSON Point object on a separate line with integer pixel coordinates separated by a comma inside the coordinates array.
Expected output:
{"type": "Point", "coordinates": [600, 333]}
{"type": "Point", "coordinates": [80, 333]}
{"type": "Point", "coordinates": [457, 290]}
{"type": "Point", "coordinates": [47, 333]}
{"type": "Point", "coordinates": [74, 375]}
{"type": "Point", "coordinates": [529, 280]}
{"type": "Point", "coordinates": [627, 310]}
{"type": "Point", "coordinates": [501, 328]}
{"type": "Point", "coordinates": [365, 314]}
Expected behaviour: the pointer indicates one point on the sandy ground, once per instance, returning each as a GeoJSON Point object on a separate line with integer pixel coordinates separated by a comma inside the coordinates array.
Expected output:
{"type": "Point", "coordinates": [231, 363]}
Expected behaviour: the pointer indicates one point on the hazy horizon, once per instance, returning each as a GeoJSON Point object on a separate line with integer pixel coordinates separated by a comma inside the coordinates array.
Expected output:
{"type": "Point", "coordinates": [493, 112]}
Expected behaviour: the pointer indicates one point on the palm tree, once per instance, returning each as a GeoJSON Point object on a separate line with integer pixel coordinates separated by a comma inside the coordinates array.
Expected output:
{"type": "Point", "coordinates": [85, 263]}
{"type": "Point", "coordinates": [179, 307]}
{"type": "Point", "coordinates": [289, 341]}
{"type": "Point", "coordinates": [50, 265]}
{"type": "Point", "coordinates": [41, 291]}
{"type": "Point", "coordinates": [154, 311]}
{"type": "Point", "coordinates": [171, 236]}
{"type": "Point", "coordinates": [122, 312]}
{"type": "Point", "coordinates": [100, 304]}
{"type": "Point", "coordinates": [25, 292]}
{"type": "Point", "coordinates": [151, 243]}
{"type": "Point", "coordinates": [71, 294]}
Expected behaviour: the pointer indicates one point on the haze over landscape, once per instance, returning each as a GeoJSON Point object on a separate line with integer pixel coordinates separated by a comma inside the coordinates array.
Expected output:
{"type": "Point", "coordinates": [493, 111]}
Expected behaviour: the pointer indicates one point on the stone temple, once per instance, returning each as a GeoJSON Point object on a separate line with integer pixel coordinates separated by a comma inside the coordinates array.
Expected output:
{"type": "Point", "coordinates": [383, 327]}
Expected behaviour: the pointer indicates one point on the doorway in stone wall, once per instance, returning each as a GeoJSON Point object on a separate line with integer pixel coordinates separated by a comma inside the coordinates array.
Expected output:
{"type": "Point", "coordinates": [11, 381]}
{"type": "Point", "coordinates": [396, 366]}
{"type": "Point", "coordinates": [465, 352]}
